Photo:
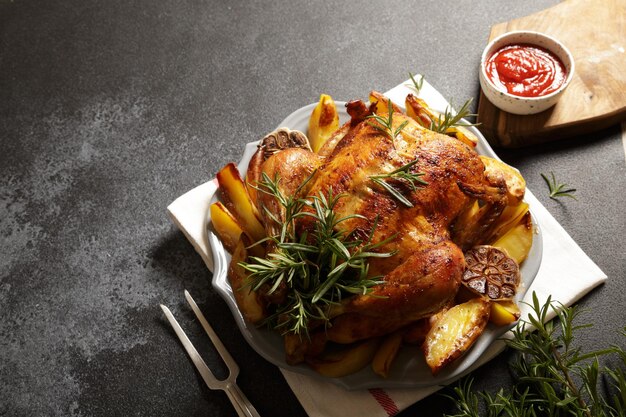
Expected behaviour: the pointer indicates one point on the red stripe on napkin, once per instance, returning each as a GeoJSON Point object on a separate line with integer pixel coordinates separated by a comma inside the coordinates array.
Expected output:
{"type": "Point", "coordinates": [385, 401]}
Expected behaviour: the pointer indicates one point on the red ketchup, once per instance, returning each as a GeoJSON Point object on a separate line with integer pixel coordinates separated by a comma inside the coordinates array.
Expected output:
{"type": "Point", "coordinates": [525, 70]}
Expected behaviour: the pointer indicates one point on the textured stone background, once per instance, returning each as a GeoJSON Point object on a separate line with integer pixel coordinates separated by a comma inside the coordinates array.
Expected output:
{"type": "Point", "coordinates": [110, 110]}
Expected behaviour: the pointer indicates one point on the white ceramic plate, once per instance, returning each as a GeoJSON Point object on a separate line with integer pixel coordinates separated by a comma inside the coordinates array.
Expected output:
{"type": "Point", "coordinates": [409, 369]}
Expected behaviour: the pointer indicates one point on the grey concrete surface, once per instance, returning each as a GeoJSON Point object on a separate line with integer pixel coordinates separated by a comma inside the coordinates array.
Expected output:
{"type": "Point", "coordinates": [110, 110]}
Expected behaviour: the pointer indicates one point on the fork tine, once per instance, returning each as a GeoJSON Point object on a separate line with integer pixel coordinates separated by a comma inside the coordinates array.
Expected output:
{"type": "Point", "coordinates": [197, 360]}
{"type": "Point", "coordinates": [219, 346]}
{"type": "Point", "coordinates": [242, 405]}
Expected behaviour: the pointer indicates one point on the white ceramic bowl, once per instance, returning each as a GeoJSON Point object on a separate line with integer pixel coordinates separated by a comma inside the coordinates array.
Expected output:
{"type": "Point", "coordinates": [517, 104]}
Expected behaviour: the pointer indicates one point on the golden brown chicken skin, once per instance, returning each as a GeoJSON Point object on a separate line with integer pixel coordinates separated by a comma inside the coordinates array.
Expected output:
{"type": "Point", "coordinates": [425, 273]}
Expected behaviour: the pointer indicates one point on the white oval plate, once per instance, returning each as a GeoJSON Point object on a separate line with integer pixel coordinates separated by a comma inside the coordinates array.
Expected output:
{"type": "Point", "coordinates": [409, 368]}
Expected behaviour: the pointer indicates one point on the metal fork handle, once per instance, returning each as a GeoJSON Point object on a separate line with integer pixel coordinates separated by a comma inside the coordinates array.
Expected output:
{"type": "Point", "coordinates": [241, 403]}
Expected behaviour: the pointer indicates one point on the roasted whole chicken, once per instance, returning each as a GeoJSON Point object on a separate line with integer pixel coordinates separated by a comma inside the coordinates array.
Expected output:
{"type": "Point", "coordinates": [460, 202]}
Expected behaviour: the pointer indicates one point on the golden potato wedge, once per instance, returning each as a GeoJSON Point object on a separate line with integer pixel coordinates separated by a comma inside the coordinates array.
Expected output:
{"type": "Point", "coordinates": [382, 107]}
{"type": "Point", "coordinates": [387, 352]}
{"type": "Point", "coordinates": [324, 121]}
{"type": "Point", "coordinates": [248, 301]}
{"type": "Point", "coordinates": [226, 226]}
{"type": "Point", "coordinates": [518, 240]}
{"type": "Point", "coordinates": [511, 216]}
{"type": "Point", "coordinates": [455, 332]}
{"type": "Point", "coordinates": [463, 134]}
{"type": "Point", "coordinates": [345, 360]}
{"type": "Point", "coordinates": [254, 175]}
{"type": "Point", "coordinates": [515, 183]}
{"type": "Point", "coordinates": [235, 197]}
{"type": "Point", "coordinates": [418, 110]}
{"type": "Point", "coordinates": [504, 312]}
{"type": "Point", "coordinates": [511, 306]}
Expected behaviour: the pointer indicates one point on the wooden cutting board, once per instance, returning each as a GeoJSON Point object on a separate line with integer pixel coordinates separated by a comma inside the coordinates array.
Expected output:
{"type": "Point", "coordinates": [595, 33]}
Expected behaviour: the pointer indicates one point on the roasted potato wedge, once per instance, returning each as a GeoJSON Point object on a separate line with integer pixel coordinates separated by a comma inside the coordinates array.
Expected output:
{"type": "Point", "coordinates": [324, 121]}
{"type": "Point", "coordinates": [504, 313]}
{"type": "Point", "coordinates": [248, 301]}
{"type": "Point", "coordinates": [463, 134]}
{"type": "Point", "coordinates": [511, 216]}
{"type": "Point", "coordinates": [455, 332]}
{"type": "Point", "coordinates": [387, 352]}
{"type": "Point", "coordinates": [227, 227]}
{"type": "Point", "coordinates": [382, 108]}
{"type": "Point", "coordinates": [418, 110]}
{"type": "Point", "coordinates": [345, 360]}
{"type": "Point", "coordinates": [235, 197]}
{"type": "Point", "coordinates": [518, 240]}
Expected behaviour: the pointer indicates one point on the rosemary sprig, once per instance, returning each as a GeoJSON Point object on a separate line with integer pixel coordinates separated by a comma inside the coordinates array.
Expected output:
{"type": "Point", "coordinates": [404, 174]}
{"type": "Point", "coordinates": [557, 189]}
{"type": "Point", "coordinates": [417, 84]}
{"type": "Point", "coordinates": [319, 269]}
{"type": "Point", "coordinates": [450, 119]}
{"type": "Point", "coordinates": [553, 377]}
{"type": "Point", "coordinates": [385, 125]}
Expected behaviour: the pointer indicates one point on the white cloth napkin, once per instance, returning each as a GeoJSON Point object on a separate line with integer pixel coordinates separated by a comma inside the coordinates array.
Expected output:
{"type": "Point", "coordinates": [566, 273]}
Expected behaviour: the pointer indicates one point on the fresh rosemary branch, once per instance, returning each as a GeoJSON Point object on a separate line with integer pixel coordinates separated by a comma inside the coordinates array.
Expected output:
{"type": "Point", "coordinates": [557, 189]}
{"type": "Point", "coordinates": [404, 174]}
{"type": "Point", "coordinates": [318, 269]}
{"type": "Point", "coordinates": [553, 377]}
{"type": "Point", "coordinates": [417, 84]}
{"type": "Point", "coordinates": [449, 119]}
{"type": "Point", "coordinates": [386, 125]}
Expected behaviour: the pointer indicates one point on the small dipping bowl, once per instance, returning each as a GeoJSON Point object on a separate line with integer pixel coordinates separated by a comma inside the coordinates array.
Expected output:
{"type": "Point", "coordinates": [518, 104]}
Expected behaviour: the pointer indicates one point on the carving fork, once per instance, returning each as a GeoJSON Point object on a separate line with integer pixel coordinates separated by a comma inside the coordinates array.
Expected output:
{"type": "Point", "coordinates": [229, 385]}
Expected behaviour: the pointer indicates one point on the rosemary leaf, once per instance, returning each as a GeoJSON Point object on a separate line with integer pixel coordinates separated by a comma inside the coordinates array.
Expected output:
{"type": "Point", "coordinates": [557, 189]}
{"type": "Point", "coordinates": [412, 179]}
{"type": "Point", "coordinates": [318, 267]}
{"type": "Point", "coordinates": [552, 376]}
{"type": "Point", "coordinates": [417, 84]}
{"type": "Point", "coordinates": [391, 190]}
{"type": "Point", "coordinates": [385, 125]}
{"type": "Point", "coordinates": [450, 119]}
